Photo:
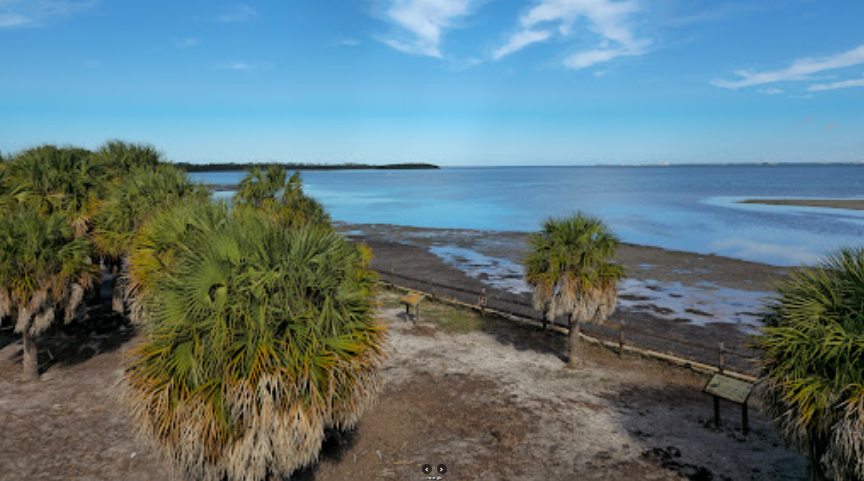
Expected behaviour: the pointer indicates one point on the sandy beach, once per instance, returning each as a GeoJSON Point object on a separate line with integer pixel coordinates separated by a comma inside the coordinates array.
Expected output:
{"type": "Point", "coordinates": [488, 398]}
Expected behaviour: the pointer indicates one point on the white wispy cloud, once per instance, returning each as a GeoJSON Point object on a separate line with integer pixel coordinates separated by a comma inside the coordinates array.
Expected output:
{"type": "Point", "coordinates": [36, 13]}
{"type": "Point", "coordinates": [771, 91]}
{"type": "Point", "coordinates": [423, 23]}
{"type": "Point", "coordinates": [13, 20]}
{"type": "Point", "coordinates": [238, 66]}
{"type": "Point", "coordinates": [799, 70]}
{"type": "Point", "coordinates": [349, 42]}
{"type": "Point", "coordinates": [188, 42]}
{"type": "Point", "coordinates": [238, 13]}
{"type": "Point", "coordinates": [520, 40]}
{"type": "Point", "coordinates": [243, 65]}
{"type": "Point", "coordinates": [842, 84]}
{"type": "Point", "coordinates": [609, 20]}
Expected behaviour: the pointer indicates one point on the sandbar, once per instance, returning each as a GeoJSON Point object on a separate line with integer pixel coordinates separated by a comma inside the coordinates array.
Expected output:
{"type": "Point", "coordinates": [847, 204]}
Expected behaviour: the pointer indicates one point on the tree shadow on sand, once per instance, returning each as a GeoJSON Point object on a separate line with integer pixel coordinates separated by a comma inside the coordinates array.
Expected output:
{"type": "Point", "coordinates": [100, 331]}
{"type": "Point", "coordinates": [336, 444]}
{"type": "Point", "coordinates": [523, 337]}
{"type": "Point", "coordinates": [8, 336]}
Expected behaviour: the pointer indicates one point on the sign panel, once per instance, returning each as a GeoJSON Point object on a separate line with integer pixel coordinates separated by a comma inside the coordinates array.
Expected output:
{"type": "Point", "coordinates": [413, 298]}
{"type": "Point", "coordinates": [729, 388]}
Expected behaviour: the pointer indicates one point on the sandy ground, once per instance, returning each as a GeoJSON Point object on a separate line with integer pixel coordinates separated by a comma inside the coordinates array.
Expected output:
{"type": "Point", "coordinates": [489, 399]}
{"type": "Point", "coordinates": [849, 204]}
{"type": "Point", "coordinates": [693, 301]}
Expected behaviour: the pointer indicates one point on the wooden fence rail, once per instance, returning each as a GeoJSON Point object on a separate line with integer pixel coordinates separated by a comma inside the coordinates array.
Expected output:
{"type": "Point", "coordinates": [487, 304]}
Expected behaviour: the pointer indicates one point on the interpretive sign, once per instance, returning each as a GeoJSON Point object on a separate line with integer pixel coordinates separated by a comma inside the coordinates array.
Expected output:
{"type": "Point", "coordinates": [729, 388]}
{"type": "Point", "coordinates": [721, 386]}
{"type": "Point", "coordinates": [412, 299]}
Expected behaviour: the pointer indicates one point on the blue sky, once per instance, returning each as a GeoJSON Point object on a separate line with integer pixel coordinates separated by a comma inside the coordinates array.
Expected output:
{"type": "Point", "coordinates": [454, 82]}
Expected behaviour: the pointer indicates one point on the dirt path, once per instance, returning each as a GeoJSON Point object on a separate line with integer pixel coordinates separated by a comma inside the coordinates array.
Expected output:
{"type": "Point", "coordinates": [497, 403]}
{"type": "Point", "coordinates": [70, 425]}
{"type": "Point", "coordinates": [489, 399]}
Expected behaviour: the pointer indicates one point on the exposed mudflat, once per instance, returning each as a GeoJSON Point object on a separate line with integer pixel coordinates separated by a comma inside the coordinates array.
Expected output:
{"type": "Point", "coordinates": [701, 300]}
{"type": "Point", "coordinates": [849, 204]}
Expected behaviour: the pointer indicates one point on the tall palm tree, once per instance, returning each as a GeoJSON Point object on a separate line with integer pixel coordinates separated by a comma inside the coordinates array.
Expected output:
{"type": "Point", "coordinates": [58, 180]}
{"type": "Point", "coordinates": [259, 338]}
{"type": "Point", "coordinates": [569, 268]}
{"type": "Point", "coordinates": [260, 185]}
{"type": "Point", "coordinates": [138, 195]}
{"type": "Point", "coordinates": [118, 158]}
{"type": "Point", "coordinates": [284, 201]}
{"type": "Point", "coordinates": [812, 371]}
{"type": "Point", "coordinates": [44, 269]}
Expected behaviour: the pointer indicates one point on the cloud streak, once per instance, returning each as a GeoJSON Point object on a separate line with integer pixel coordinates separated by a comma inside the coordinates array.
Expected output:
{"type": "Point", "coordinates": [423, 23]}
{"type": "Point", "coordinates": [843, 84]}
{"type": "Point", "coordinates": [189, 42]}
{"type": "Point", "coordinates": [36, 13]}
{"type": "Point", "coordinates": [800, 70]}
{"type": "Point", "coordinates": [609, 20]}
{"type": "Point", "coordinates": [520, 40]}
{"type": "Point", "coordinates": [238, 14]}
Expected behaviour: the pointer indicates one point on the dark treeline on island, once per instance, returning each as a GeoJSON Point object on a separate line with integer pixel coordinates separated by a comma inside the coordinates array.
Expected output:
{"type": "Point", "coordinates": [233, 166]}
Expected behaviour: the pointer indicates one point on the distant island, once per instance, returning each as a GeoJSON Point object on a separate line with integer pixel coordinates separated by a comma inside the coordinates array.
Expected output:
{"type": "Point", "coordinates": [234, 167]}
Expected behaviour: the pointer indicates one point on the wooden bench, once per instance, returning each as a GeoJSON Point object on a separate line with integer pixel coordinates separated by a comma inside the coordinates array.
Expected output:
{"type": "Point", "coordinates": [412, 299]}
{"type": "Point", "coordinates": [731, 389]}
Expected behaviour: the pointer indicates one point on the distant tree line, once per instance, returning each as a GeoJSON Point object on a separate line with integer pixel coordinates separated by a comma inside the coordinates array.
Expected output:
{"type": "Point", "coordinates": [234, 166]}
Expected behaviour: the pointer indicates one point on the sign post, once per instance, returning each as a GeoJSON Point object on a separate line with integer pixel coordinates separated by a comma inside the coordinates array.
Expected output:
{"type": "Point", "coordinates": [730, 389]}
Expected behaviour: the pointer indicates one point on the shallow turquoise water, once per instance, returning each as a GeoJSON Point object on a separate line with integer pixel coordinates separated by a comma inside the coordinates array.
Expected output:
{"type": "Point", "coordinates": [690, 208]}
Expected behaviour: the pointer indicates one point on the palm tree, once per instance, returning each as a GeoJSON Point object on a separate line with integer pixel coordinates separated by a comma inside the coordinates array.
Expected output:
{"type": "Point", "coordinates": [118, 158]}
{"type": "Point", "coordinates": [569, 267]}
{"type": "Point", "coordinates": [260, 186]}
{"type": "Point", "coordinates": [258, 339]}
{"type": "Point", "coordinates": [284, 201]}
{"type": "Point", "coordinates": [811, 364]}
{"type": "Point", "coordinates": [57, 180]}
{"type": "Point", "coordinates": [44, 268]}
{"type": "Point", "coordinates": [138, 195]}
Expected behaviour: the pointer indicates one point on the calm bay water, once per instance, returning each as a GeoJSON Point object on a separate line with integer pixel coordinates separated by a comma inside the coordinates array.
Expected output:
{"type": "Point", "coordinates": [686, 208]}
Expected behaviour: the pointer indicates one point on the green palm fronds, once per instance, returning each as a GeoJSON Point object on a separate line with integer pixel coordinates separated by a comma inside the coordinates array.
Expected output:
{"type": "Point", "coordinates": [284, 201]}
{"type": "Point", "coordinates": [569, 268]}
{"type": "Point", "coordinates": [118, 158]}
{"type": "Point", "coordinates": [56, 180]}
{"type": "Point", "coordinates": [260, 185]}
{"type": "Point", "coordinates": [812, 363]}
{"type": "Point", "coordinates": [259, 338]}
{"type": "Point", "coordinates": [140, 194]}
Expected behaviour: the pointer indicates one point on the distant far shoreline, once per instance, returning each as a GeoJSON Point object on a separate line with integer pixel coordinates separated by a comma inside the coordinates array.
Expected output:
{"type": "Point", "coordinates": [849, 204]}
{"type": "Point", "coordinates": [236, 167]}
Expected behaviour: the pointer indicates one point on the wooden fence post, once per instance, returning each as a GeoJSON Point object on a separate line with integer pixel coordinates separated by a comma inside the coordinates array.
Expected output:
{"type": "Point", "coordinates": [721, 366]}
{"type": "Point", "coordinates": [621, 339]}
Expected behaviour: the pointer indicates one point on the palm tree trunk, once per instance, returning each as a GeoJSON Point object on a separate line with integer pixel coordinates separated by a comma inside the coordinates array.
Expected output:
{"type": "Point", "coordinates": [117, 304]}
{"type": "Point", "coordinates": [31, 361]}
{"type": "Point", "coordinates": [814, 466]}
{"type": "Point", "coordinates": [574, 344]}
